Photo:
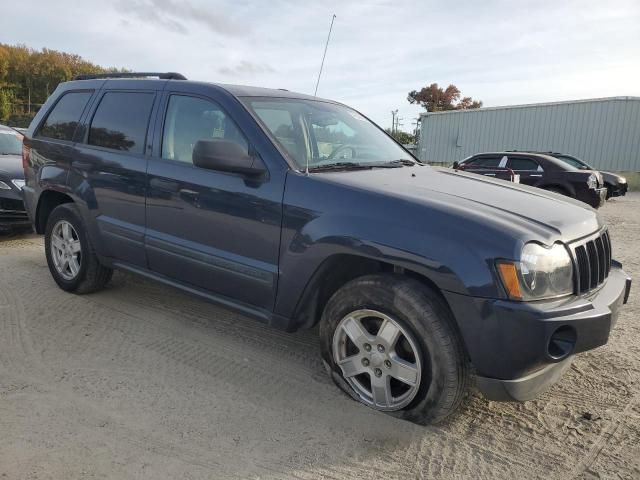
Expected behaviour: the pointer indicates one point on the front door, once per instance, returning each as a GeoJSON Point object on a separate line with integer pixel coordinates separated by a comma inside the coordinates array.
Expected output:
{"type": "Point", "coordinates": [216, 231]}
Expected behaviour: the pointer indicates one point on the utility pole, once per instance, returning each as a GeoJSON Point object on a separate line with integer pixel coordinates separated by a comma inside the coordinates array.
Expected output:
{"type": "Point", "coordinates": [416, 129]}
{"type": "Point", "coordinates": [398, 124]}
{"type": "Point", "coordinates": [326, 45]}
{"type": "Point", "coordinates": [393, 120]}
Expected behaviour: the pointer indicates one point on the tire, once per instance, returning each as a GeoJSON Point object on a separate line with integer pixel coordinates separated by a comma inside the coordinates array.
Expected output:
{"type": "Point", "coordinates": [442, 372]}
{"type": "Point", "coordinates": [88, 275]}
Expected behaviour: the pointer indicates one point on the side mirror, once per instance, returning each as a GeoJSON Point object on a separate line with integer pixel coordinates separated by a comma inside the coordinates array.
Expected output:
{"type": "Point", "coordinates": [456, 165]}
{"type": "Point", "coordinates": [226, 156]}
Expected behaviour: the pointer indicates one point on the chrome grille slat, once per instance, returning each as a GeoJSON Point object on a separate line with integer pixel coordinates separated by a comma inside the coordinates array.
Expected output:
{"type": "Point", "coordinates": [601, 259]}
{"type": "Point", "coordinates": [592, 260]}
{"type": "Point", "coordinates": [593, 264]}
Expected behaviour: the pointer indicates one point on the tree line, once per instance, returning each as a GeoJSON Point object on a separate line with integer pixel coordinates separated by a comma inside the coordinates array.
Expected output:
{"type": "Point", "coordinates": [29, 76]}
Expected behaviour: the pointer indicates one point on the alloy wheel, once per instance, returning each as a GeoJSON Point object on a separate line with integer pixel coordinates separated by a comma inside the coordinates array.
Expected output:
{"type": "Point", "coordinates": [66, 250]}
{"type": "Point", "coordinates": [378, 358]}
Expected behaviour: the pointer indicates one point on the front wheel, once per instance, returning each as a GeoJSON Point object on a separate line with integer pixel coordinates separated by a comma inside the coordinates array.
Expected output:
{"type": "Point", "coordinates": [70, 255]}
{"type": "Point", "coordinates": [390, 343]}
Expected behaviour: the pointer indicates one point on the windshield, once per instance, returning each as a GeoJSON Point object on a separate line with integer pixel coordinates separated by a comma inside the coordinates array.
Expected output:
{"type": "Point", "coordinates": [574, 162]}
{"type": "Point", "coordinates": [324, 134]}
{"type": "Point", "coordinates": [10, 143]}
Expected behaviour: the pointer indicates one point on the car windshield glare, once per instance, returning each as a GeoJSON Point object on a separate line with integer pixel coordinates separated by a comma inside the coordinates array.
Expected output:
{"type": "Point", "coordinates": [10, 143]}
{"type": "Point", "coordinates": [318, 133]}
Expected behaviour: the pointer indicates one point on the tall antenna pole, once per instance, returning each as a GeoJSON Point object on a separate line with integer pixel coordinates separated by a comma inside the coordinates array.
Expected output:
{"type": "Point", "coordinates": [324, 55]}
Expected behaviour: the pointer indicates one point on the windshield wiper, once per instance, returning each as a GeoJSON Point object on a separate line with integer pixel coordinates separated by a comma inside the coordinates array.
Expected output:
{"type": "Point", "coordinates": [401, 162]}
{"type": "Point", "coordinates": [339, 166]}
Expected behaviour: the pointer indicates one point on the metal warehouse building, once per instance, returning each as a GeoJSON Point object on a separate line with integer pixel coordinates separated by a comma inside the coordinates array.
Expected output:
{"type": "Point", "coordinates": [604, 132]}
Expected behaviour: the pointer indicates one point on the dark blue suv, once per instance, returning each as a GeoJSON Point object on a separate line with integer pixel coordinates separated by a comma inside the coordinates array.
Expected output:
{"type": "Point", "coordinates": [299, 211]}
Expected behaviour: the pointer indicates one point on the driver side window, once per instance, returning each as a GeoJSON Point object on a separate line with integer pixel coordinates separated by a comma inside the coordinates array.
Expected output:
{"type": "Point", "coordinates": [189, 119]}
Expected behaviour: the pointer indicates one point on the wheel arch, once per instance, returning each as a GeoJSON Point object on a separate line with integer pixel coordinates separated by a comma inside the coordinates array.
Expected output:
{"type": "Point", "coordinates": [336, 271]}
{"type": "Point", "coordinates": [48, 200]}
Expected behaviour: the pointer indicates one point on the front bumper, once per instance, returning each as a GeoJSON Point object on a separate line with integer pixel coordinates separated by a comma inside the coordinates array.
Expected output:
{"type": "Point", "coordinates": [597, 197]}
{"type": "Point", "coordinates": [618, 190]}
{"type": "Point", "coordinates": [13, 214]}
{"type": "Point", "coordinates": [519, 349]}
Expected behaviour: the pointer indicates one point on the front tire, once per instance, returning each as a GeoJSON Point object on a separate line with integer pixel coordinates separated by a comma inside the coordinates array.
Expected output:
{"type": "Point", "coordinates": [391, 343]}
{"type": "Point", "coordinates": [71, 258]}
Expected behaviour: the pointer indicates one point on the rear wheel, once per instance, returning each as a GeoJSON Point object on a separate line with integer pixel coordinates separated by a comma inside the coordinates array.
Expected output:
{"type": "Point", "coordinates": [70, 255]}
{"type": "Point", "coordinates": [390, 343]}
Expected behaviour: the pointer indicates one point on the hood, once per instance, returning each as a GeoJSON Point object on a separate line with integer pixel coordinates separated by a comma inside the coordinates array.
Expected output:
{"type": "Point", "coordinates": [532, 212]}
{"type": "Point", "coordinates": [11, 167]}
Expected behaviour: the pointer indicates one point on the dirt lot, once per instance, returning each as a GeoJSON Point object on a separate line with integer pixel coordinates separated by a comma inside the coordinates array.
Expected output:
{"type": "Point", "coordinates": [142, 381]}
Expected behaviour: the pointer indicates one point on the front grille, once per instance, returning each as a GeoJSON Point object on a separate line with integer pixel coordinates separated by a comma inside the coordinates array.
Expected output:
{"type": "Point", "coordinates": [593, 261]}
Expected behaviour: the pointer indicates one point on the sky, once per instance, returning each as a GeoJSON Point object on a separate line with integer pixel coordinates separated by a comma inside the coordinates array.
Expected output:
{"type": "Point", "coordinates": [501, 52]}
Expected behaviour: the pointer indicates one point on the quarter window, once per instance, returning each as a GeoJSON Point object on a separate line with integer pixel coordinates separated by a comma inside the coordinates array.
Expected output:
{"type": "Point", "coordinates": [62, 121]}
{"type": "Point", "coordinates": [190, 119]}
{"type": "Point", "coordinates": [121, 121]}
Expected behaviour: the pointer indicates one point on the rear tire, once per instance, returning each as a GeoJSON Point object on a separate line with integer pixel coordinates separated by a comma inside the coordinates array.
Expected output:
{"type": "Point", "coordinates": [71, 258]}
{"type": "Point", "coordinates": [427, 343]}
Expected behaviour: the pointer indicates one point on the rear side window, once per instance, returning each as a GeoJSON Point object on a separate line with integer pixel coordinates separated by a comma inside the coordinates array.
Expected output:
{"type": "Point", "coordinates": [519, 163]}
{"type": "Point", "coordinates": [62, 121]}
{"type": "Point", "coordinates": [121, 121]}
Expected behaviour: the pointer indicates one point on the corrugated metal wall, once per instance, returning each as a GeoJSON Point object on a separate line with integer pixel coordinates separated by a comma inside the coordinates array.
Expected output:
{"type": "Point", "coordinates": [603, 132]}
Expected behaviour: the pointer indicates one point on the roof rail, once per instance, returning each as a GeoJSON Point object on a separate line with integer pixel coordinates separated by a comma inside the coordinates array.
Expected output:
{"type": "Point", "coordinates": [160, 75]}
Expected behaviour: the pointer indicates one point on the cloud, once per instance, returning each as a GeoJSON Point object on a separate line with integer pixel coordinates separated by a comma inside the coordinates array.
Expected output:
{"type": "Point", "coordinates": [175, 16]}
{"type": "Point", "coordinates": [246, 68]}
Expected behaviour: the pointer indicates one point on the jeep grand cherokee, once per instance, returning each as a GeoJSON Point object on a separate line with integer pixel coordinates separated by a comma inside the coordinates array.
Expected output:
{"type": "Point", "coordinates": [300, 211]}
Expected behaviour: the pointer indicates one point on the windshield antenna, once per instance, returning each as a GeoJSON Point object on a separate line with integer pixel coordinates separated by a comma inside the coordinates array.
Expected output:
{"type": "Point", "coordinates": [326, 45]}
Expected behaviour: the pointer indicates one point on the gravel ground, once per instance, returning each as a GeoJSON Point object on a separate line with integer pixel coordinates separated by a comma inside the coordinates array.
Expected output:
{"type": "Point", "coordinates": [142, 381]}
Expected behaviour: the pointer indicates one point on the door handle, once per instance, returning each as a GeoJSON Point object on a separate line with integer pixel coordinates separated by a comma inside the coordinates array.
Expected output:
{"type": "Point", "coordinates": [84, 166]}
{"type": "Point", "coordinates": [189, 193]}
{"type": "Point", "coordinates": [535, 175]}
{"type": "Point", "coordinates": [489, 174]}
{"type": "Point", "coordinates": [164, 185]}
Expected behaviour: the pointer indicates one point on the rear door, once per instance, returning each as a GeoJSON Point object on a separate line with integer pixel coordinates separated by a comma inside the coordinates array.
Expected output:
{"type": "Point", "coordinates": [110, 167]}
{"type": "Point", "coordinates": [529, 169]}
{"type": "Point", "coordinates": [217, 231]}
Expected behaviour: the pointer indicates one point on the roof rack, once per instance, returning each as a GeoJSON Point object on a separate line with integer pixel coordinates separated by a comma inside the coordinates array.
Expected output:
{"type": "Point", "coordinates": [160, 75]}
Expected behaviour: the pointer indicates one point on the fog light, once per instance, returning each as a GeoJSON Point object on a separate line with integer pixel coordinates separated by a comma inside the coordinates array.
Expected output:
{"type": "Point", "coordinates": [562, 342]}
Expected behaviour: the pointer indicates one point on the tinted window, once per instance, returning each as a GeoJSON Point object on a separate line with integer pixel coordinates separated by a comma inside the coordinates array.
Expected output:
{"type": "Point", "coordinates": [574, 162]}
{"type": "Point", "coordinates": [62, 121]}
{"type": "Point", "coordinates": [121, 120]}
{"type": "Point", "coordinates": [190, 119]}
{"type": "Point", "coordinates": [487, 162]}
{"type": "Point", "coordinates": [522, 164]}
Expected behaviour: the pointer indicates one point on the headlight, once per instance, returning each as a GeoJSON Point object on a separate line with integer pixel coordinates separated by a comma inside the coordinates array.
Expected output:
{"type": "Point", "coordinates": [18, 183]}
{"type": "Point", "coordinates": [4, 186]}
{"type": "Point", "coordinates": [541, 273]}
{"type": "Point", "coordinates": [622, 180]}
{"type": "Point", "coordinates": [592, 181]}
